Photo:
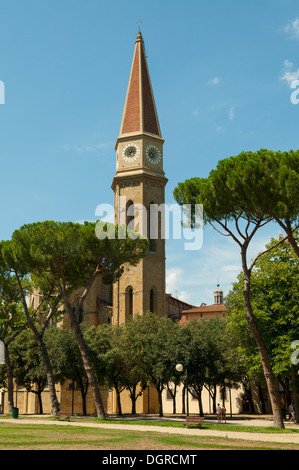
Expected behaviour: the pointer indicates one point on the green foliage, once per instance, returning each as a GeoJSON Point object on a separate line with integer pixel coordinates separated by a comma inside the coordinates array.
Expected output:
{"type": "Point", "coordinates": [64, 354]}
{"type": "Point", "coordinates": [211, 353]}
{"type": "Point", "coordinates": [26, 361]}
{"type": "Point", "coordinates": [60, 258]}
{"type": "Point", "coordinates": [70, 252]}
{"type": "Point", "coordinates": [145, 350]}
{"type": "Point", "coordinates": [103, 344]}
{"type": "Point", "coordinates": [11, 310]}
{"type": "Point", "coordinates": [262, 183]}
{"type": "Point", "coordinates": [152, 341]}
{"type": "Point", "coordinates": [275, 299]}
{"type": "Point", "coordinates": [240, 196]}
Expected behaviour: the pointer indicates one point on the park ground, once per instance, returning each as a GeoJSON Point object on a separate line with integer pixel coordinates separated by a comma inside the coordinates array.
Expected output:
{"type": "Point", "coordinates": [145, 433]}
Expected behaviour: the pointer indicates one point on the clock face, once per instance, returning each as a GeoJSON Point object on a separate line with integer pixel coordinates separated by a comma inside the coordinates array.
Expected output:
{"type": "Point", "coordinates": [130, 152]}
{"type": "Point", "coordinates": [153, 154]}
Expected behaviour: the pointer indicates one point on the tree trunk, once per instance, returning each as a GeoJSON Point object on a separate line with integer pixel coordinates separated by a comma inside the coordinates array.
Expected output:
{"type": "Point", "coordinates": [43, 351]}
{"type": "Point", "coordinates": [183, 400]}
{"type": "Point", "coordinates": [118, 399]}
{"type": "Point", "coordinates": [88, 368]}
{"type": "Point", "coordinates": [212, 396]}
{"type": "Point", "coordinates": [81, 344]}
{"type": "Point", "coordinates": [47, 364]}
{"type": "Point", "coordinates": [293, 244]}
{"type": "Point", "coordinates": [159, 390]}
{"type": "Point", "coordinates": [84, 408]}
{"type": "Point", "coordinates": [174, 400]}
{"type": "Point", "coordinates": [250, 398]}
{"type": "Point", "coordinates": [292, 241]}
{"type": "Point", "coordinates": [261, 396]}
{"type": "Point", "coordinates": [173, 396]}
{"type": "Point", "coordinates": [133, 399]}
{"type": "Point", "coordinates": [268, 373]}
{"type": "Point", "coordinates": [83, 396]}
{"type": "Point", "coordinates": [295, 393]}
{"type": "Point", "coordinates": [214, 399]}
{"type": "Point", "coordinates": [200, 408]}
{"type": "Point", "coordinates": [133, 410]}
{"type": "Point", "coordinates": [9, 381]}
{"type": "Point", "coordinates": [287, 227]}
{"type": "Point", "coordinates": [214, 405]}
{"type": "Point", "coordinates": [40, 402]}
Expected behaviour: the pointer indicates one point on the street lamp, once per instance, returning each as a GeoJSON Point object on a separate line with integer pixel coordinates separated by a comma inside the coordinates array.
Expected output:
{"type": "Point", "coordinates": [179, 367]}
{"type": "Point", "coordinates": [228, 384]}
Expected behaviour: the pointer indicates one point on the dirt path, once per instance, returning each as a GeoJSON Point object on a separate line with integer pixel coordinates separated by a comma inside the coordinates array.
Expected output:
{"type": "Point", "coordinates": [262, 437]}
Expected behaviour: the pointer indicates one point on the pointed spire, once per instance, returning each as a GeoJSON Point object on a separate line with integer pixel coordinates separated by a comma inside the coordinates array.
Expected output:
{"type": "Point", "coordinates": [140, 115]}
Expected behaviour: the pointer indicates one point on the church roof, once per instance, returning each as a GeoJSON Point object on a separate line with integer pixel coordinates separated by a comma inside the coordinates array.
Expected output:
{"type": "Point", "coordinates": [207, 308]}
{"type": "Point", "coordinates": [140, 115]}
{"type": "Point", "coordinates": [206, 311]}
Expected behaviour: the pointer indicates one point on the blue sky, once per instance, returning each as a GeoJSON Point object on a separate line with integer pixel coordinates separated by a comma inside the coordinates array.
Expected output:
{"type": "Point", "coordinates": [221, 73]}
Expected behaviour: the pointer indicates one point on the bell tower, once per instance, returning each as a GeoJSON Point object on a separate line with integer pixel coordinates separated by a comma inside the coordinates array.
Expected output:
{"type": "Point", "coordinates": [139, 183]}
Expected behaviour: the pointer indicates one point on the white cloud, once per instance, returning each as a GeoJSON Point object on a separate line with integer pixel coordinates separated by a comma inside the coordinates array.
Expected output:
{"type": "Point", "coordinates": [287, 64]}
{"type": "Point", "coordinates": [195, 274]}
{"type": "Point", "coordinates": [214, 81]}
{"type": "Point", "coordinates": [231, 268]}
{"type": "Point", "coordinates": [292, 29]}
{"type": "Point", "coordinates": [174, 284]}
{"type": "Point", "coordinates": [93, 148]}
{"type": "Point", "coordinates": [66, 147]}
{"type": "Point", "coordinates": [173, 280]}
{"type": "Point", "coordinates": [289, 74]}
{"type": "Point", "coordinates": [231, 113]}
{"type": "Point", "coordinates": [90, 148]}
{"type": "Point", "coordinates": [184, 296]}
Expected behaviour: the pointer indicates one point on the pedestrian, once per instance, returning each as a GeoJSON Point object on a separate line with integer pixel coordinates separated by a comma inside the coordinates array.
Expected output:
{"type": "Point", "coordinates": [223, 414]}
{"type": "Point", "coordinates": [218, 412]}
{"type": "Point", "coordinates": [291, 412]}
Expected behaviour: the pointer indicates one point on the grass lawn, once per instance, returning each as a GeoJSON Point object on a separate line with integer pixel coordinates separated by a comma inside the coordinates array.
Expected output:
{"type": "Point", "coordinates": [52, 437]}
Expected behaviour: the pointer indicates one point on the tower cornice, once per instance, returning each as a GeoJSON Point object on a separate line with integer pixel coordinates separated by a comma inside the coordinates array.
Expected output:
{"type": "Point", "coordinates": [132, 135]}
{"type": "Point", "coordinates": [128, 178]}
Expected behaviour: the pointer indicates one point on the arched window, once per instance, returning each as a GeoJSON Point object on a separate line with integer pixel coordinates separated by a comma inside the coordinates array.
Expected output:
{"type": "Point", "coordinates": [130, 214]}
{"type": "Point", "coordinates": [129, 303]}
{"type": "Point", "coordinates": [152, 241]}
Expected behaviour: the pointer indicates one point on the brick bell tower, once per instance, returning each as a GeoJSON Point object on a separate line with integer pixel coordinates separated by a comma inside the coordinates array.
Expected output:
{"type": "Point", "coordinates": [138, 183]}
